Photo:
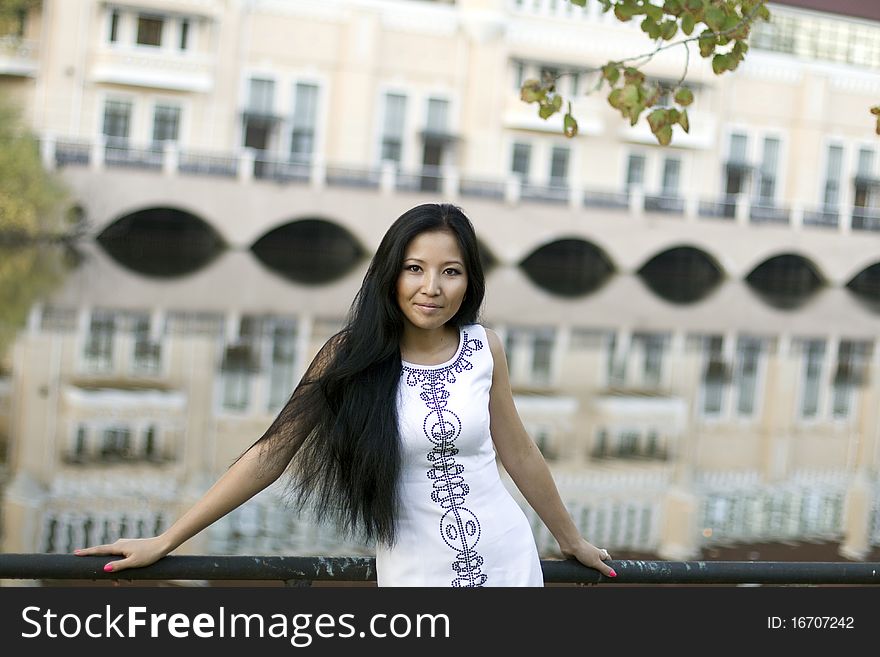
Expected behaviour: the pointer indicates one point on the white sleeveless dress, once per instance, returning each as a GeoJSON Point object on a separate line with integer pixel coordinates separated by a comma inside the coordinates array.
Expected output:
{"type": "Point", "coordinates": [458, 525]}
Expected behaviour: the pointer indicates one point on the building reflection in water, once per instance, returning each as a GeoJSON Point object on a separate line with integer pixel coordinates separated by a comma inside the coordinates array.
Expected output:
{"type": "Point", "coordinates": [681, 413]}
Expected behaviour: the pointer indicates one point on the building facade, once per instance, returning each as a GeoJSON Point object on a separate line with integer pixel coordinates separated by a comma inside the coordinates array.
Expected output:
{"type": "Point", "coordinates": [667, 432]}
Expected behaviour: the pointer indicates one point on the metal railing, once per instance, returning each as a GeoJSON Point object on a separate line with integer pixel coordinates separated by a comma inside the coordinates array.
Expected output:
{"type": "Point", "coordinates": [303, 571]}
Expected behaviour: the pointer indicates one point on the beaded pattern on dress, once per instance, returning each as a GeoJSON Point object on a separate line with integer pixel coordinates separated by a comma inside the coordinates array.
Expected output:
{"type": "Point", "coordinates": [459, 527]}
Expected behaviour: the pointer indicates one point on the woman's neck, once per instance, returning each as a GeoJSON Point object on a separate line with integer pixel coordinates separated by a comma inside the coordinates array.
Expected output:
{"type": "Point", "coordinates": [428, 345]}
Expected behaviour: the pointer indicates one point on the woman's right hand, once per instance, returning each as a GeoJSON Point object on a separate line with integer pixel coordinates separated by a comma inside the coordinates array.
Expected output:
{"type": "Point", "coordinates": [137, 552]}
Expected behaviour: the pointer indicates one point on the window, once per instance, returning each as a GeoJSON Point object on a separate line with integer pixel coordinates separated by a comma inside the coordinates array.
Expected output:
{"type": "Point", "coordinates": [737, 165]}
{"type": "Point", "coordinates": [302, 143]}
{"type": "Point", "coordinates": [833, 174]}
{"type": "Point", "coordinates": [519, 74]}
{"type": "Point", "coordinates": [748, 354]}
{"type": "Point", "coordinates": [184, 34]}
{"type": "Point", "coordinates": [814, 353]}
{"type": "Point", "coordinates": [521, 162]}
{"type": "Point", "coordinates": [99, 342]}
{"type": "Point", "coordinates": [769, 162]}
{"type": "Point", "coordinates": [393, 127]}
{"type": "Point", "coordinates": [116, 442]}
{"type": "Point", "coordinates": [114, 26]}
{"type": "Point", "coordinates": [166, 123]}
{"type": "Point", "coordinates": [117, 120]}
{"type": "Point", "coordinates": [281, 374]}
{"type": "Point", "coordinates": [635, 171]}
{"type": "Point", "coordinates": [671, 175]}
{"type": "Point", "coordinates": [559, 166]}
{"type": "Point", "coordinates": [149, 30]}
{"type": "Point", "coordinates": [261, 96]}
{"type": "Point", "coordinates": [147, 353]}
{"type": "Point", "coordinates": [437, 120]}
{"type": "Point", "coordinates": [864, 178]}
{"type": "Point", "coordinates": [714, 376]}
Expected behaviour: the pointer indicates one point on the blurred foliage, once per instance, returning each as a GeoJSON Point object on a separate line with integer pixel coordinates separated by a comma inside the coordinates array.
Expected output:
{"type": "Point", "coordinates": [31, 200]}
{"type": "Point", "coordinates": [27, 273]}
{"type": "Point", "coordinates": [12, 15]}
{"type": "Point", "coordinates": [719, 27]}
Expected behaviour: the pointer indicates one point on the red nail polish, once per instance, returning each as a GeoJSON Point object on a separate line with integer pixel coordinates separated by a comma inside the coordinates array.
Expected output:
{"type": "Point", "coordinates": [612, 573]}
{"type": "Point", "coordinates": [108, 568]}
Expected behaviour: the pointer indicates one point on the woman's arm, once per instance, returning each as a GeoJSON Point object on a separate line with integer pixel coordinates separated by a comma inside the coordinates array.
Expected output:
{"type": "Point", "coordinates": [244, 479]}
{"type": "Point", "coordinates": [525, 464]}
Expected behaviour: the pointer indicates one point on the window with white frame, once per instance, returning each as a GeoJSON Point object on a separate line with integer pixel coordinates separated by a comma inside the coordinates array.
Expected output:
{"type": "Point", "coordinates": [852, 361]}
{"type": "Point", "coordinates": [393, 128]}
{"type": "Point", "coordinates": [149, 30]}
{"type": "Point", "coordinates": [166, 123]}
{"type": "Point", "coordinates": [559, 158]}
{"type": "Point", "coordinates": [98, 348]}
{"type": "Point", "coordinates": [715, 375]}
{"type": "Point", "coordinates": [113, 33]}
{"type": "Point", "coordinates": [261, 96]}
{"type": "Point", "coordinates": [737, 166]}
{"type": "Point", "coordinates": [283, 362]}
{"type": "Point", "coordinates": [183, 43]}
{"type": "Point", "coordinates": [833, 175]}
{"type": "Point", "coordinates": [748, 358]}
{"type": "Point", "coordinates": [811, 380]}
{"type": "Point", "coordinates": [669, 185]}
{"type": "Point", "coordinates": [635, 171]}
{"type": "Point", "coordinates": [117, 120]}
{"type": "Point", "coordinates": [305, 117]}
{"type": "Point", "coordinates": [521, 160]}
{"type": "Point", "coordinates": [864, 181]}
{"type": "Point", "coordinates": [437, 119]}
{"type": "Point", "coordinates": [767, 173]}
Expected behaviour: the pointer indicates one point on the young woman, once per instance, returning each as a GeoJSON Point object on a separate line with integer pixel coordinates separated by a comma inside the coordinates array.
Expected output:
{"type": "Point", "coordinates": [393, 431]}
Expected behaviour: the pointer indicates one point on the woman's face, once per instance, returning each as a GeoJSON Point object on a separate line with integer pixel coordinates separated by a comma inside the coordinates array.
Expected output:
{"type": "Point", "coordinates": [432, 281]}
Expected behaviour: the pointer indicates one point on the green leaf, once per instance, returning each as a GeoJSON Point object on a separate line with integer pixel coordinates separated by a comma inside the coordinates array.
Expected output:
{"type": "Point", "coordinates": [720, 63]}
{"type": "Point", "coordinates": [664, 135]}
{"type": "Point", "coordinates": [629, 94]}
{"type": "Point", "coordinates": [673, 7]}
{"type": "Point", "coordinates": [714, 18]}
{"type": "Point", "coordinates": [707, 42]}
{"type": "Point", "coordinates": [615, 98]}
{"type": "Point", "coordinates": [531, 91]}
{"type": "Point", "coordinates": [683, 121]}
{"type": "Point", "coordinates": [687, 24]}
{"type": "Point", "coordinates": [684, 96]}
{"type": "Point", "coordinates": [579, 3]}
{"type": "Point", "coordinates": [693, 5]}
{"type": "Point", "coordinates": [668, 30]}
{"type": "Point", "coordinates": [633, 74]}
{"type": "Point", "coordinates": [545, 111]}
{"type": "Point", "coordinates": [624, 13]}
{"type": "Point", "coordinates": [654, 12]}
{"type": "Point", "coordinates": [569, 125]}
{"type": "Point", "coordinates": [657, 119]}
{"type": "Point", "coordinates": [556, 103]}
{"type": "Point", "coordinates": [651, 28]}
{"type": "Point", "coordinates": [611, 73]}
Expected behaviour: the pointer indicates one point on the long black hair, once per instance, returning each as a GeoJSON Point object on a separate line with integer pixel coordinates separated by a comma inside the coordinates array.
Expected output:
{"type": "Point", "coordinates": [338, 432]}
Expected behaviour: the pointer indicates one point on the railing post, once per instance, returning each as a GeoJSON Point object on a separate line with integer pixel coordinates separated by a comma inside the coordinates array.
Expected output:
{"type": "Point", "coordinates": [846, 216]}
{"type": "Point", "coordinates": [512, 190]}
{"type": "Point", "coordinates": [48, 146]}
{"type": "Point", "coordinates": [99, 152]}
{"type": "Point", "coordinates": [797, 217]}
{"type": "Point", "coordinates": [170, 158]}
{"type": "Point", "coordinates": [742, 209]}
{"type": "Point", "coordinates": [451, 182]}
{"type": "Point", "coordinates": [575, 197]}
{"type": "Point", "coordinates": [318, 173]}
{"type": "Point", "coordinates": [387, 177]}
{"type": "Point", "coordinates": [691, 207]}
{"type": "Point", "coordinates": [246, 162]}
{"type": "Point", "coordinates": [636, 201]}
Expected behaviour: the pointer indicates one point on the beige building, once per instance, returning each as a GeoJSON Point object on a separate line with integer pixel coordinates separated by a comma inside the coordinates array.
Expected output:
{"type": "Point", "coordinates": [672, 423]}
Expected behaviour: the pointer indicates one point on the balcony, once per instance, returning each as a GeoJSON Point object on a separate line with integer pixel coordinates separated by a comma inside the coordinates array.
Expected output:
{"type": "Point", "coordinates": [154, 69]}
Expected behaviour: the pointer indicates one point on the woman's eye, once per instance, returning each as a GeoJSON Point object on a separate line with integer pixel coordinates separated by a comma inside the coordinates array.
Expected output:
{"type": "Point", "coordinates": [453, 272]}
{"type": "Point", "coordinates": [412, 267]}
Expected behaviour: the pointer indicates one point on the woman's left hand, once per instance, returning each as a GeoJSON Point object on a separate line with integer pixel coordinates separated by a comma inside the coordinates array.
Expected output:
{"type": "Point", "coordinates": [589, 555]}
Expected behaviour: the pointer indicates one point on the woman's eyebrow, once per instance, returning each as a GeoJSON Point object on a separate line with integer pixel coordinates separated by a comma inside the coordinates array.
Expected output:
{"type": "Point", "coordinates": [448, 262]}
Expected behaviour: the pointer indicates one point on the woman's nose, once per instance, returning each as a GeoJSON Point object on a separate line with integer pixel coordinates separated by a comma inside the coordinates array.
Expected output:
{"type": "Point", "coordinates": [431, 284]}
